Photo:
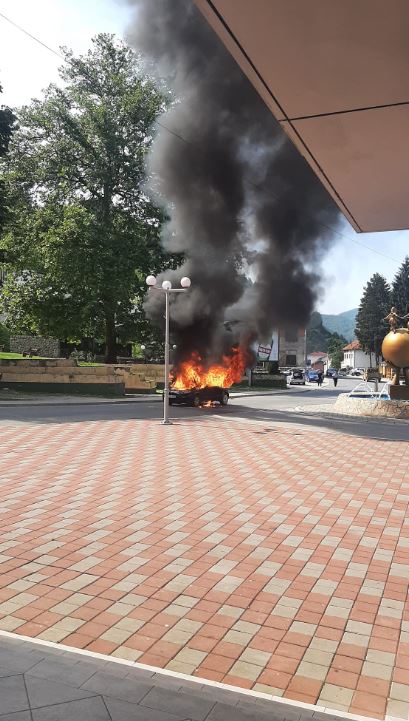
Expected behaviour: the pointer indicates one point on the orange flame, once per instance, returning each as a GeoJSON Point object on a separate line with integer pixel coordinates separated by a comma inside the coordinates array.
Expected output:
{"type": "Point", "coordinates": [193, 373]}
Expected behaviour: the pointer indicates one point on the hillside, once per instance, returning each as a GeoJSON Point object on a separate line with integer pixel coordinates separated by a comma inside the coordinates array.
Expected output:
{"type": "Point", "coordinates": [318, 335]}
{"type": "Point", "coordinates": [343, 323]}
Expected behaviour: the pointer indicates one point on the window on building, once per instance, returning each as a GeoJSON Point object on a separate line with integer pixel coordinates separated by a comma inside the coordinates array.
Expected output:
{"type": "Point", "coordinates": [291, 335]}
{"type": "Point", "coordinates": [290, 360]}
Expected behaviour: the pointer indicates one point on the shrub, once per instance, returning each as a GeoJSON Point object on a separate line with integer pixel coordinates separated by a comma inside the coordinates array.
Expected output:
{"type": "Point", "coordinates": [4, 338]}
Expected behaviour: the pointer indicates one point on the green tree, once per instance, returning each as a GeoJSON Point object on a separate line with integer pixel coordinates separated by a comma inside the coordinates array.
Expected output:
{"type": "Point", "coordinates": [83, 234]}
{"type": "Point", "coordinates": [400, 288]}
{"type": "Point", "coordinates": [370, 324]}
{"type": "Point", "coordinates": [7, 120]}
{"type": "Point", "coordinates": [334, 348]}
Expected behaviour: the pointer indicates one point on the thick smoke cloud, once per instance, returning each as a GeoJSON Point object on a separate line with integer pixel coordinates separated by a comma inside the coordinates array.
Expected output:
{"type": "Point", "coordinates": [238, 194]}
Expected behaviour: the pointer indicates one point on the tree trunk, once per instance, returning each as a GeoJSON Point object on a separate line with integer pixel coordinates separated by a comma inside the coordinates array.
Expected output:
{"type": "Point", "coordinates": [110, 339]}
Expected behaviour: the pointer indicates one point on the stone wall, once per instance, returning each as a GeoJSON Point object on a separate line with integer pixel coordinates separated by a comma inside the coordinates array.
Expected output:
{"type": "Point", "coordinates": [132, 378]}
{"type": "Point", "coordinates": [371, 407]}
{"type": "Point", "coordinates": [60, 376]}
{"type": "Point", "coordinates": [47, 347]}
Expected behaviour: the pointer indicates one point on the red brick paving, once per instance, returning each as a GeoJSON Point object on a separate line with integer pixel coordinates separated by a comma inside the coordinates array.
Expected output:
{"type": "Point", "coordinates": [275, 561]}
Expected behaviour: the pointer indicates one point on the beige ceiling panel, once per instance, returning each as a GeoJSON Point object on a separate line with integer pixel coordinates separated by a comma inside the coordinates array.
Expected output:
{"type": "Point", "coordinates": [299, 143]}
{"type": "Point", "coordinates": [319, 56]}
{"type": "Point", "coordinates": [364, 156]}
{"type": "Point", "coordinates": [247, 67]}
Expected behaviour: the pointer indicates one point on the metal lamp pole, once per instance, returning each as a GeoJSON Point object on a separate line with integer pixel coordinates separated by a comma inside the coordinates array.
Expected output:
{"type": "Point", "coordinates": [166, 288]}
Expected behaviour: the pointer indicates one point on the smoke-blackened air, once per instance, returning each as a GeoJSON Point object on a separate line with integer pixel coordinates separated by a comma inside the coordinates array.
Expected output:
{"type": "Point", "coordinates": [241, 200]}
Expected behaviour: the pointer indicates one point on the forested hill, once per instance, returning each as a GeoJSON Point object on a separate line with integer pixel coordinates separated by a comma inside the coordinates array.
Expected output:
{"type": "Point", "coordinates": [343, 323]}
{"type": "Point", "coordinates": [318, 335]}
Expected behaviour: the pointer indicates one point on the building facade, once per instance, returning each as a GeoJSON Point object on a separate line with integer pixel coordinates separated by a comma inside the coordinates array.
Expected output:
{"type": "Point", "coordinates": [355, 357]}
{"type": "Point", "coordinates": [317, 360]}
{"type": "Point", "coordinates": [292, 347]}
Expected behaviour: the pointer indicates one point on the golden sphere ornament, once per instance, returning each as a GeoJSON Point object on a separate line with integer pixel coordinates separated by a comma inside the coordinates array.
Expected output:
{"type": "Point", "coordinates": [395, 348]}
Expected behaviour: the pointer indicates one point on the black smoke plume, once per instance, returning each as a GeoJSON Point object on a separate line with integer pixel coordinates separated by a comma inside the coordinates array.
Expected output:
{"type": "Point", "coordinates": [242, 201]}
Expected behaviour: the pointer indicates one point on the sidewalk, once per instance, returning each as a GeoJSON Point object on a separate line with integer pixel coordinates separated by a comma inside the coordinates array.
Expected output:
{"type": "Point", "coordinates": [262, 558]}
{"type": "Point", "coordinates": [15, 398]}
{"type": "Point", "coordinates": [44, 684]}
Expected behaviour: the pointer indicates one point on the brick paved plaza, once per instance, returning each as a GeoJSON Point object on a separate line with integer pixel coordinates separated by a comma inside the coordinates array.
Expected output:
{"type": "Point", "coordinates": [264, 558]}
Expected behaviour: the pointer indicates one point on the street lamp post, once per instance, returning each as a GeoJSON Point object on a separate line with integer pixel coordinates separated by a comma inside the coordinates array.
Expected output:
{"type": "Point", "coordinates": [166, 288]}
{"type": "Point", "coordinates": [143, 349]}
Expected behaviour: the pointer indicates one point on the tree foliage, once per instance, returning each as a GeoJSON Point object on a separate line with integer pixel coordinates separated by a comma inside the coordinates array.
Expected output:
{"type": "Point", "coordinates": [375, 305]}
{"type": "Point", "coordinates": [7, 120]}
{"type": "Point", "coordinates": [400, 288]}
{"type": "Point", "coordinates": [335, 345]}
{"type": "Point", "coordinates": [83, 234]}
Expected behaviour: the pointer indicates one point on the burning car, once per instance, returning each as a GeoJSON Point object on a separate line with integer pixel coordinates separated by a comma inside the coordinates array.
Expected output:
{"type": "Point", "coordinates": [195, 383]}
{"type": "Point", "coordinates": [199, 396]}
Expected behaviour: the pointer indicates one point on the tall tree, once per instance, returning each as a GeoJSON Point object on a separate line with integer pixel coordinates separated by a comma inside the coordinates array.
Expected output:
{"type": "Point", "coordinates": [375, 305]}
{"type": "Point", "coordinates": [400, 288]}
{"type": "Point", "coordinates": [335, 345]}
{"type": "Point", "coordinates": [83, 234]}
{"type": "Point", "coordinates": [6, 128]}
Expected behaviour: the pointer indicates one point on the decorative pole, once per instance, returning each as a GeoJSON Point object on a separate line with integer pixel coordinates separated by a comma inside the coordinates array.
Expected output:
{"type": "Point", "coordinates": [166, 420]}
{"type": "Point", "coordinates": [166, 288]}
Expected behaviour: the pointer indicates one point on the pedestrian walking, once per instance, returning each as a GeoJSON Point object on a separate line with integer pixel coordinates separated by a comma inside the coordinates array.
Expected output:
{"type": "Point", "coordinates": [320, 378]}
{"type": "Point", "coordinates": [335, 378]}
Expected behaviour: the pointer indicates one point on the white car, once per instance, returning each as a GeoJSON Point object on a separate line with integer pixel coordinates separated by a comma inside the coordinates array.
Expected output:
{"type": "Point", "coordinates": [297, 378]}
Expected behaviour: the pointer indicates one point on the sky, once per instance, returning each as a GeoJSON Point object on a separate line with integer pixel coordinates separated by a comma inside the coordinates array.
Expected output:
{"type": "Point", "coordinates": [26, 68]}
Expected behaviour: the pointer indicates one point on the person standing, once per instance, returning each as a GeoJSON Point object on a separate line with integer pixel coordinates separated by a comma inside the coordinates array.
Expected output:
{"type": "Point", "coordinates": [320, 378]}
{"type": "Point", "coordinates": [335, 378]}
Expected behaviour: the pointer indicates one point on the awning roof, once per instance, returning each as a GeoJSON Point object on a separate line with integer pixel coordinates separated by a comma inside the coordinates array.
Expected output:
{"type": "Point", "coordinates": [335, 75]}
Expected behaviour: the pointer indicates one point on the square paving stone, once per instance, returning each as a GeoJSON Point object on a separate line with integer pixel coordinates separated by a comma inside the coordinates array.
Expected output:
{"type": "Point", "coordinates": [45, 692]}
{"type": "Point", "coordinates": [126, 689]}
{"type": "Point", "coordinates": [13, 694]}
{"type": "Point", "coordinates": [89, 709]}
{"type": "Point", "coordinates": [273, 709]}
{"type": "Point", "coordinates": [18, 660]}
{"type": "Point", "coordinates": [221, 712]}
{"type": "Point", "coordinates": [123, 711]}
{"type": "Point", "coordinates": [19, 716]}
{"type": "Point", "coordinates": [69, 670]}
{"type": "Point", "coordinates": [189, 705]}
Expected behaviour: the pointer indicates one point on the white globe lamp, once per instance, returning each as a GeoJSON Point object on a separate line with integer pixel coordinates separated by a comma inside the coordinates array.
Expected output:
{"type": "Point", "coordinates": [151, 280]}
{"type": "Point", "coordinates": [185, 282]}
{"type": "Point", "coordinates": [166, 285]}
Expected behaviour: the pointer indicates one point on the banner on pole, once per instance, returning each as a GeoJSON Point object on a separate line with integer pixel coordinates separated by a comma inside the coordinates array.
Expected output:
{"type": "Point", "coordinates": [269, 351]}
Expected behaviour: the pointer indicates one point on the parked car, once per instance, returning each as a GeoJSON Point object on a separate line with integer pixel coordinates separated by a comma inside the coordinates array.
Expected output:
{"type": "Point", "coordinates": [357, 372]}
{"type": "Point", "coordinates": [312, 376]}
{"type": "Point", "coordinates": [330, 372]}
{"type": "Point", "coordinates": [372, 374]}
{"type": "Point", "coordinates": [297, 378]}
{"type": "Point", "coordinates": [342, 374]}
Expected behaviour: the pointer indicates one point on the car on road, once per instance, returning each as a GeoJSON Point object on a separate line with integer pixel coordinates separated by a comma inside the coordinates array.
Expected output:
{"type": "Point", "coordinates": [297, 378]}
{"type": "Point", "coordinates": [312, 376]}
{"type": "Point", "coordinates": [330, 372]}
{"type": "Point", "coordinates": [285, 371]}
{"type": "Point", "coordinates": [199, 396]}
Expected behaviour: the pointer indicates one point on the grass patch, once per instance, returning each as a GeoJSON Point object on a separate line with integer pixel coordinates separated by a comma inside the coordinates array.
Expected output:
{"type": "Point", "coordinates": [14, 356]}
{"type": "Point", "coordinates": [86, 363]}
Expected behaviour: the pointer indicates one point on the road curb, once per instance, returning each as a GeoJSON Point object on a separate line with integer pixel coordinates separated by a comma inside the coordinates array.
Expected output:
{"type": "Point", "coordinates": [142, 398]}
{"type": "Point", "coordinates": [93, 402]}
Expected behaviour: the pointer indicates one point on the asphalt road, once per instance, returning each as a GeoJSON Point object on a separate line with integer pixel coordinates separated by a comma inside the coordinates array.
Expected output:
{"type": "Point", "coordinates": [271, 411]}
